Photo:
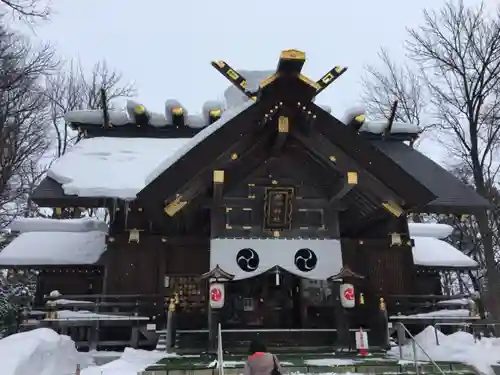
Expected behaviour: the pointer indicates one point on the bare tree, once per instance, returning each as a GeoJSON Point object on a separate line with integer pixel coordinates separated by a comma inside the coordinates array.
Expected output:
{"type": "Point", "coordinates": [392, 82]}
{"type": "Point", "coordinates": [74, 90]}
{"type": "Point", "coordinates": [23, 119]}
{"type": "Point", "coordinates": [457, 52]}
{"type": "Point", "coordinates": [27, 10]}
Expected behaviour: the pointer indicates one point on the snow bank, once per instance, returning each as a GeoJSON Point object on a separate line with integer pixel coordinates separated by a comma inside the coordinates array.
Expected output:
{"type": "Point", "coordinates": [40, 352]}
{"type": "Point", "coordinates": [131, 362]}
{"type": "Point", "coordinates": [457, 347]}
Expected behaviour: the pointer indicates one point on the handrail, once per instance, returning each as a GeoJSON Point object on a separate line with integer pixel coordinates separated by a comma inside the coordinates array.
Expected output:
{"type": "Point", "coordinates": [220, 352]}
{"type": "Point", "coordinates": [414, 344]}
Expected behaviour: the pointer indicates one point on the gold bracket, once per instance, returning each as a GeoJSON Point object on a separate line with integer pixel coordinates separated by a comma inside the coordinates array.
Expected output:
{"type": "Point", "coordinates": [352, 178]}
{"type": "Point", "coordinates": [219, 176]}
{"type": "Point", "coordinates": [393, 208]}
{"type": "Point", "coordinates": [175, 206]}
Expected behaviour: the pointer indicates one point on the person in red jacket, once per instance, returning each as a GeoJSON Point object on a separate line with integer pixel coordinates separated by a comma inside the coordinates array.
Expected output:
{"type": "Point", "coordinates": [260, 361]}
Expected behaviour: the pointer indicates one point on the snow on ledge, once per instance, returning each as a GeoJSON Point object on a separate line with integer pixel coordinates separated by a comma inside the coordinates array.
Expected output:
{"type": "Point", "coordinates": [112, 167]}
{"type": "Point", "coordinates": [54, 248]}
{"type": "Point", "coordinates": [88, 315]}
{"type": "Point", "coordinates": [434, 230]}
{"type": "Point", "coordinates": [38, 224]}
{"type": "Point", "coordinates": [439, 314]}
{"type": "Point", "coordinates": [432, 252]}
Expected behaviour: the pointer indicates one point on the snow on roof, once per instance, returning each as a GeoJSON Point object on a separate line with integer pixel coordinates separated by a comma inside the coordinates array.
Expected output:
{"type": "Point", "coordinates": [378, 127]}
{"type": "Point", "coordinates": [122, 167]}
{"type": "Point", "coordinates": [433, 252]}
{"type": "Point", "coordinates": [192, 142]}
{"type": "Point", "coordinates": [54, 248]}
{"type": "Point", "coordinates": [112, 167]}
{"type": "Point", "coordinates": [434, 230]}
{"type": "Point", "coordinates": [38, 224]}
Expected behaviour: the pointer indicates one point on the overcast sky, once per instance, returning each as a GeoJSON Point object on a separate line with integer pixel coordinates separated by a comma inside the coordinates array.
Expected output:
{"type": "Point", "coordinates": [165, 47]}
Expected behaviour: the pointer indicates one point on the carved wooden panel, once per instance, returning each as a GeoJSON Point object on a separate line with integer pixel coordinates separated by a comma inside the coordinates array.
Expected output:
{"type": "Point", "coordinates": [191, 291]}
{"type": "Point", "coordinates": [278, 208]}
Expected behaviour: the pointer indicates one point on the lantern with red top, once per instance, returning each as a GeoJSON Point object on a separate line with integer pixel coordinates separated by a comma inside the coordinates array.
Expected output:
{"type": "Point", "coordinates": [347, 291]}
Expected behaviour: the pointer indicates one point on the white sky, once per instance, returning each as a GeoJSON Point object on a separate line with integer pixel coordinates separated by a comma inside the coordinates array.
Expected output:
{"type": "Point", "coordinates": [165, 47]}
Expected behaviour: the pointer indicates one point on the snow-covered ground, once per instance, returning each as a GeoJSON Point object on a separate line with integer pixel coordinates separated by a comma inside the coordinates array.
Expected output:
{"type": "Point", "coordinates": [44, 352]}
{"type": "Point", "coordinates": [40, 352]}
{"type": "Point", "coordinates": [457, 347]}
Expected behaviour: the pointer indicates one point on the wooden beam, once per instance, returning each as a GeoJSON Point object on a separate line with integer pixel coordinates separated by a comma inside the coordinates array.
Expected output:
{"type": "Point", "coordinates": [332, 155]}
{"type": "Point", "coordinates": [236, 168]}
{"type": "Point", "coordinates": [205, 154]}
{"type": "Point", "coordinates": [413, 192]}
{"type": "Point", "coordinates": [217, 213]}
{"type": "Point", "coordinates": [345, 186]}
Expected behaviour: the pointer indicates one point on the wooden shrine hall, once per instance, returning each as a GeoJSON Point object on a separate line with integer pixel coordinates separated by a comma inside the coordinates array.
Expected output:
{"type": "Point", "coordinates": [265, 213]}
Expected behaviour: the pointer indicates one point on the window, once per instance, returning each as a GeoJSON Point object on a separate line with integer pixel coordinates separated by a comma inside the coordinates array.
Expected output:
{"type": "Point", "coordinates": [238, 218]}
{"type": "Point", "coordinates": [310, 218]}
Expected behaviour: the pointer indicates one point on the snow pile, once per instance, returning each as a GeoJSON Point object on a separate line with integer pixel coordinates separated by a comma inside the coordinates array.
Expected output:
{"type": "Point", "coordinates": [131, 362]}
{"type": "Point", "coordinates": [457, 347]}
{"type": "Point", "coordinates": [40, 352]}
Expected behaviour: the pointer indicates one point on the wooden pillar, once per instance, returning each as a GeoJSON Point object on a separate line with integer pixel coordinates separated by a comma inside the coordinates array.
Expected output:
{"type": "Point", "coordinates": [341, 322]}
{"type": "Point", "coordinates": [216, 300]}
{"type": "Point", "coordinates": [384, 324]}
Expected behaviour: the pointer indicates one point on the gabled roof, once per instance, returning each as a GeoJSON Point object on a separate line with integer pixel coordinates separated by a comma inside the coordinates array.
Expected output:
{"type": "Point", "coordinates": [283, 97]}
{"type": "Point", "coordinates": [452, 196]}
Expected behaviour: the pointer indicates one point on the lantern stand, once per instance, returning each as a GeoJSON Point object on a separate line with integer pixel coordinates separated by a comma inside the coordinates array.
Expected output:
{"type": "Point", "coordinates": [217, 278]}
{"type": "Point", "coordinates": [345, 276]}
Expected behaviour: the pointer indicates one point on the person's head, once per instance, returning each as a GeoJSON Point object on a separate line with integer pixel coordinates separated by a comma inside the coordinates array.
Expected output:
{"type": "Point", "coordinates": [256, 346]}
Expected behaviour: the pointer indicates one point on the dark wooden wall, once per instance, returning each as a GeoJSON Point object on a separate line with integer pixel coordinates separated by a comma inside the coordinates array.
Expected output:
{"type": "Point", "coordinates": [387, 269]}
{"type": "Point", "coordinates": [311, 214]}
{"type": "Point", "coordinates": [69, 280]}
